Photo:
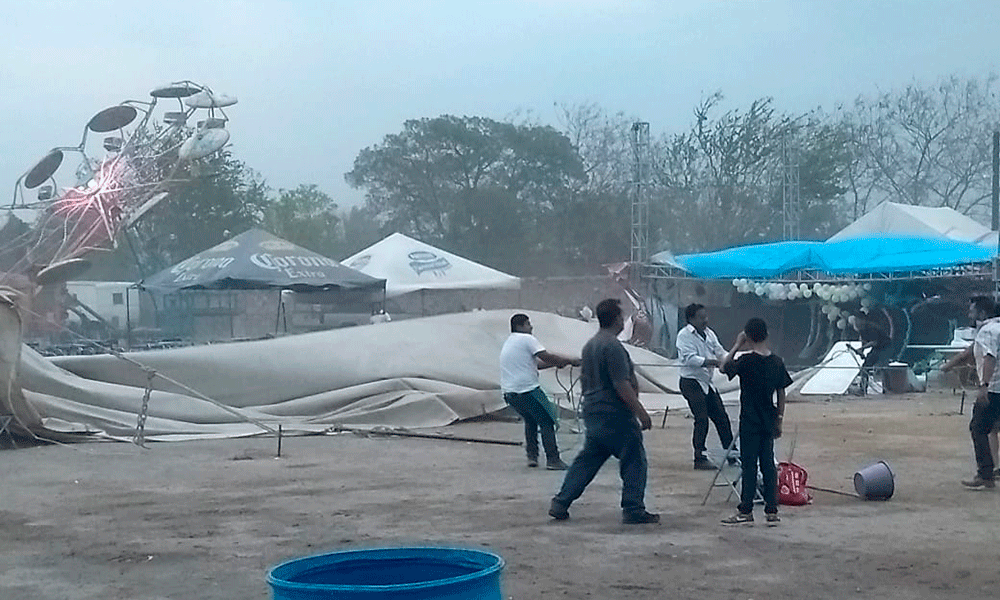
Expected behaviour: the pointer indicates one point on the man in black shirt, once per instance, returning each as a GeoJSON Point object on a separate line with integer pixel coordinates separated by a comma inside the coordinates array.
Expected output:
{"type": "Point", "coordinates": [614, 420]}
{"type": "Point", "coordinates": [874, 339]}
{"type": "Point", "coordinates": [762, 375]}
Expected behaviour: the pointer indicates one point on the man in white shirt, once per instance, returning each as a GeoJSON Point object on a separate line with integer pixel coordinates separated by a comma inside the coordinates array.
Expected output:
{"type": "Point", "coordinates": [986, 411]}
{"type": "Point", "coordinates": [520, 358]}
{"type": "Point", "coordinates": [700, 353]}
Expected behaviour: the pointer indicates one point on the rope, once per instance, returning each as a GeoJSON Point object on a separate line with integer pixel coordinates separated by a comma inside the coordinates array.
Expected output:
{"type": "Point", "coordinates": [574, 405]}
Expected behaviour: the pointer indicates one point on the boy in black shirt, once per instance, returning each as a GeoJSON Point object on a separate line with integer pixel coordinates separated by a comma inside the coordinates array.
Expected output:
{"type": "Point", "coordinates": [762, 374]}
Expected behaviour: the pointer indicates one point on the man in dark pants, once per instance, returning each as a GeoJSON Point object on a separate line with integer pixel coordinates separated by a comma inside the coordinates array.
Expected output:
{"type": "Point", "coordinates": [987, 408]}
{"type": "Point", "coordinates": [700, 352]}
{"type": "Point", "coordinates": [521, 356]}
{"type": "Point", "coordinates": [614, 419]}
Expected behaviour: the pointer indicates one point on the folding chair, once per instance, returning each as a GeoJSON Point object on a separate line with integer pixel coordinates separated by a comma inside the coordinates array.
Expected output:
{"type": "Point", "coordinates": [5, 421]}
{"type": "Point", "coordinates": [733, 483]}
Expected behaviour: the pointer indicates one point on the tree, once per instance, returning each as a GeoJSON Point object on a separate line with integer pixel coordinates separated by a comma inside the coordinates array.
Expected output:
{"type": "Point", "coordinates": [305, 216]}
{"type": "Point", "coordinates": [719, 184]}
{"type": "Point", "coordinates": [924, 145]}
{"type": "Point", "coordinates": [597, 219]}
{"type": "Point", "coordinates": [211, 200]}
{"type": "Point", "coordinates": [360, 229]}
{"type": "Point", "coordinates": [471, 184]}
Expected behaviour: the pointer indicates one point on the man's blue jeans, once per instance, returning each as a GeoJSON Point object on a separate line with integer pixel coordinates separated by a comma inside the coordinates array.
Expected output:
{"type": "Point", "coordinates": [607, 436]}
{"type": "Point", "coordinates": [536, 419]}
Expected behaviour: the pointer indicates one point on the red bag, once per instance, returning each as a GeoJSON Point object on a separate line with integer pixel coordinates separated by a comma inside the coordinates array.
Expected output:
{"type": "Point", "coordinates": [792, 485]}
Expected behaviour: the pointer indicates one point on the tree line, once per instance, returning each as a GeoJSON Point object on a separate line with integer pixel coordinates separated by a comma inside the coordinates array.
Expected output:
{"type": "Point", "coordinates": [533, 198]}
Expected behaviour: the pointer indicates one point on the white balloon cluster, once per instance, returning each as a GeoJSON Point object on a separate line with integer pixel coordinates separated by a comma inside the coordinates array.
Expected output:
{"type": "Point", "coordinates": [831, 294]}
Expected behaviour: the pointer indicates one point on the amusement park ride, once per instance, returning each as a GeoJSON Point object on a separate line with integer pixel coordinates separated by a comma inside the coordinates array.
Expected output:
{"type": "Point", "coordinates": [143, 148]}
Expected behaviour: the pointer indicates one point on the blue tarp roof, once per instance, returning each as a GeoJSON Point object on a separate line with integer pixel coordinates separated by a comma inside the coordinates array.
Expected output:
{"type": "Point", "coordinates": [847, 257]}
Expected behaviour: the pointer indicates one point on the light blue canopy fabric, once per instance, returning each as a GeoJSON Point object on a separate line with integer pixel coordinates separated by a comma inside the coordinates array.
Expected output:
{"type": "Point", "coordinates": [848, 257]}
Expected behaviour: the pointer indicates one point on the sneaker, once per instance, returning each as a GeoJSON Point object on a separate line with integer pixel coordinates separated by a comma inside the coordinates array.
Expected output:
{"type": "Point", "coordinates": [732, 461]}
{"type": "Point", "coordinates": [739, 519]}
{"type": "Point", "coordinates": [772, 519]}
{"type": "Point", "coordinates": [532, 462]}
{"type": "Point", "coordinates": [558, 512]}
{"type": "Point", "coordinates": [978, 482]}
{"type": "Point", "coordinates": [639, 518]}
{"type": "Point", "coordinates": [556, 465]}
{"type": "Point", "coordinates": [703, 464]}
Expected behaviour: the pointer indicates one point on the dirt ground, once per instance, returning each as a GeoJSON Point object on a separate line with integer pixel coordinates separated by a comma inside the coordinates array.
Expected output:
{"type": "Point", "coordinates": [206, 519]}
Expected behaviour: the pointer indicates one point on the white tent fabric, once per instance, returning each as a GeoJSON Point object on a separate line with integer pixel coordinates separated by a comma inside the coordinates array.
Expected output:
{"type": "Point", "coordinates": [836, 372]}
{"type": "Point", "coordinates": [424, 372]}
{"type": "Point", "coordinates": [409, 265]}
{"type": "Point", "coordinates": [891, 218]}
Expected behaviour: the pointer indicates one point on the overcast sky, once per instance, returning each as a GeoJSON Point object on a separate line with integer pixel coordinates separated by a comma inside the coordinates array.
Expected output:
{"type": "Point", "coordinates": [319, 80]}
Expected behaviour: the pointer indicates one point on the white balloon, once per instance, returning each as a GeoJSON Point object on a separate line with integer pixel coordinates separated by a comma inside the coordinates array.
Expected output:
{"type": "Point", "coordinates": [841, 324]}
{"type": "Point", "coordinates": [831, 317]}
{"type": "Point", "coordinates": [867, 287]}
{"type": "Point", "coordinates": [807, 293]}
{"type": "Point", "coordinates": [736, 283]}
{"type": "Point", "coordinates": [825, 309]}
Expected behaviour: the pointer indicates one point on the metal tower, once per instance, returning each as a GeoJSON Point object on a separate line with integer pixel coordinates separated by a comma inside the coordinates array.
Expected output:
{"type": "Point", "coordinates": [640, 191]}
{"type": "Point", "coordinates": [791, 206]}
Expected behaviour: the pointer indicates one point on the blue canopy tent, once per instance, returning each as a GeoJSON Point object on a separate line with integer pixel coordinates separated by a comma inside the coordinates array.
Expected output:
{"type": "Point", "coordinates": [864, 257]}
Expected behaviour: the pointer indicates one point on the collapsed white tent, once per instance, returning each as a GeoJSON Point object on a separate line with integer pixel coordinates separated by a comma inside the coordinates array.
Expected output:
{"type": "Point", "coordinates": [409, 265]}
{"type": "Point", "coordinates": [892, 218]}
{"type": "Point", "coordinates": [415, 373]}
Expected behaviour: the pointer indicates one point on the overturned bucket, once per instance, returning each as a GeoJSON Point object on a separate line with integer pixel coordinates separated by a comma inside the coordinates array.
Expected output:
{"type": "Point", "coordinates": [391, 574]}
{"type": "Point", "coordinates": [875, 482]}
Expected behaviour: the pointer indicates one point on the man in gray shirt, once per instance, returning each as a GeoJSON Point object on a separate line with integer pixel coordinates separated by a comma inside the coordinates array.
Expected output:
{"type": "Point", "coordinates": [614, 420]}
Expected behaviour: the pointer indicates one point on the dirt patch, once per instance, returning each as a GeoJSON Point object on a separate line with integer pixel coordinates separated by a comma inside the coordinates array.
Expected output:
{"type": "Point", "coordinates": [206, 519]}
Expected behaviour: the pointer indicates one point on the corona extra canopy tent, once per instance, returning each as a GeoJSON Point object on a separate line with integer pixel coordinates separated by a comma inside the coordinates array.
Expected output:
{"type": "Point", "coordinates": [257, 259]}
{"type": "Point", "coordinates": [409, 265]}
{"type": "Point", "coordinates": [862, 256]}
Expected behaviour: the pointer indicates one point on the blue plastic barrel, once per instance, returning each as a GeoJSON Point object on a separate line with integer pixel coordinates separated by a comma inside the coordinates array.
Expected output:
{"type": "Point", "coordinates": [390, 574]}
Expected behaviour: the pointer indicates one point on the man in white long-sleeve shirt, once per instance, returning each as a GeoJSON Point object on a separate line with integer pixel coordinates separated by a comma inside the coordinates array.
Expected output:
{"type": "Point", "coordinates": [700, 353]}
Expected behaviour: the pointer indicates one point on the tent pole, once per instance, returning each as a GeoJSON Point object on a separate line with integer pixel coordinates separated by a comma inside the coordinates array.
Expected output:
{"type": "Point", "coordinates": [995, 197]}
{"type": "Point", "coordinates": [128, 319]}
{"type": "Point", "coordinates": [277, 316]}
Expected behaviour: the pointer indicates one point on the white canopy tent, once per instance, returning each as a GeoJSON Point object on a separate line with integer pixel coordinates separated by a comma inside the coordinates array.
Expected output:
{"type": "Point", "coordinates": [409, 265]}
{"type": "Point", "coordinates": [891, 218]}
